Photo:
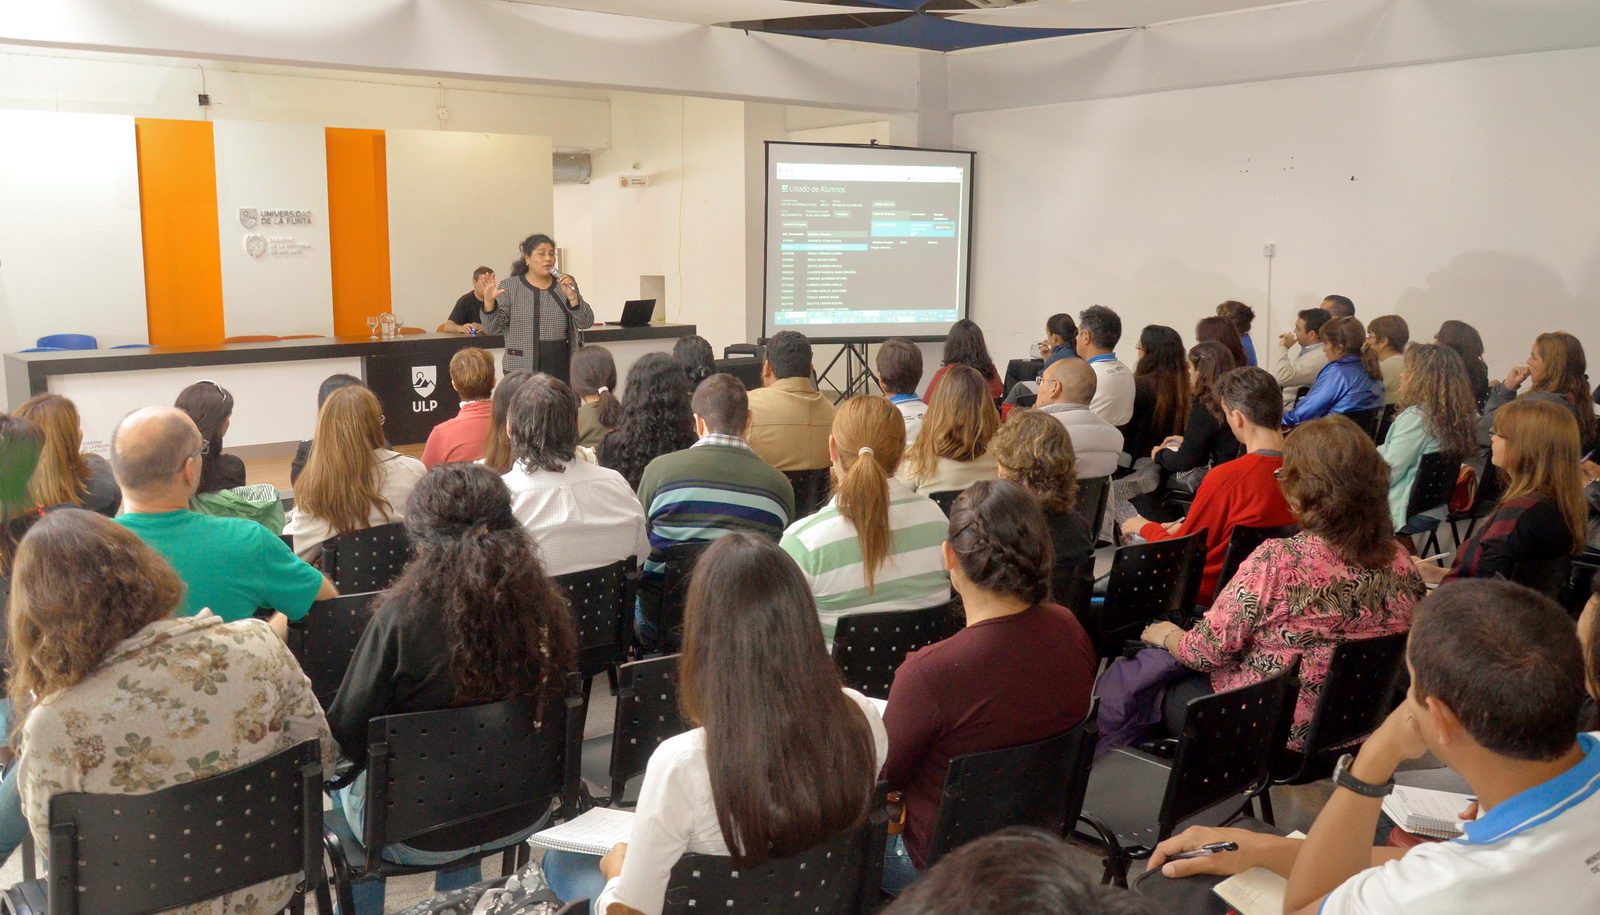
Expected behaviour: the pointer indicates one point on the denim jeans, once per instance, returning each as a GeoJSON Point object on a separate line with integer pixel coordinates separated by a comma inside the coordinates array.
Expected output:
{"type": "Point", "coordinates": [13, 826]}
{"type": "Point", "coordinates": [574, 876]}
{"type": "Point", "coordinates": [898, 871]}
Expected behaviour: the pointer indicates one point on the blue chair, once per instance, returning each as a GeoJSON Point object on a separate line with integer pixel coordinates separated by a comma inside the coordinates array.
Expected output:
{"type": "Point", "coordinates": [43, 349]}
{"type": "Point", "coordinates": [69, 341]}
{"type": "Point", "coordinates": [133, 346]}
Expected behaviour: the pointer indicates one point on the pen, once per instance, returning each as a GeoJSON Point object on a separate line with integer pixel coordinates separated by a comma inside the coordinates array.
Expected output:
{"type": "Point", "coordinates": [1433, 557]}
{"type": "Point", "coordinates": [1205, 850]}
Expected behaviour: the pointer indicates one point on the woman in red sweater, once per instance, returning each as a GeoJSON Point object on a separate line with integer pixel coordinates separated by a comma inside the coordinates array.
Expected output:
{"type": "Point", "coordinates": [965, 346]}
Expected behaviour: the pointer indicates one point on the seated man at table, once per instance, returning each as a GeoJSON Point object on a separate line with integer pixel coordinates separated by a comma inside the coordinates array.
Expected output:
{"type": "Point", "coordinates": [231, 566]}
{"type": "Point", "coordinates": [468, 315]}
{"type": "Point", "coordinates": [1497, 680]}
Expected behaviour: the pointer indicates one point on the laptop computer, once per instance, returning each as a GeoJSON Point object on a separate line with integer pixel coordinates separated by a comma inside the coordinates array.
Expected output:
{"type": "Point", "coordinates": [637, 312]}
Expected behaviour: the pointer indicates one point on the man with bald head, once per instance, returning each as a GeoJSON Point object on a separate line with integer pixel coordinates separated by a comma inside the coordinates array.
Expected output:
{"type": "Point", "coordinates": [1065, 392]}
{"type": "Point", "coordinates": [231, 566]}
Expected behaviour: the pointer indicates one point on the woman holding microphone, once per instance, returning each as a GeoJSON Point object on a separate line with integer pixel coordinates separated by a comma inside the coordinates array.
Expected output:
{"type": "Point", "coordinates": [539, 310]}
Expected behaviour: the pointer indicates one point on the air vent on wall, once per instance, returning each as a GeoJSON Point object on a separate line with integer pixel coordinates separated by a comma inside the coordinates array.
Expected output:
{"type": "Point", "coordinates": [571, 168]}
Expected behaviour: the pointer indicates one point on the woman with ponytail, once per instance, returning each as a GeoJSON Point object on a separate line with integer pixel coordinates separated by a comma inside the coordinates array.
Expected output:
{"type": "Point", "coordinates": [875, 545]}
{"type": "Point", "coordinates": [1351, 382]}
{"type": "Point", "coordinates": [474, 619]}
{"type": "Point", "coordinates": [594, 380]}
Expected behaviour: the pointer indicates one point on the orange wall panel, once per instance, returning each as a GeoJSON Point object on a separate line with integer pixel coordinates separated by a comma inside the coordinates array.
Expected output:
{"type": "Point", "coordinates": [358, 227]}
{"type": "Point", "coordinates": [178, 212]}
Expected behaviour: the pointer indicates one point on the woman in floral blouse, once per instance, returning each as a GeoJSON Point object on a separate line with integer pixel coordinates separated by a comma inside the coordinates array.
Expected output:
{"type": "Point", "coordinates": [1343, 578]}
{"type": "Point", "coordinates": [120, 697]}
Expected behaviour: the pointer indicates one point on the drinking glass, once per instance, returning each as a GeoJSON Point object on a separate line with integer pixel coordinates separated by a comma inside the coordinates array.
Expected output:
{"type": "Point", "coordinates": [372, 326]}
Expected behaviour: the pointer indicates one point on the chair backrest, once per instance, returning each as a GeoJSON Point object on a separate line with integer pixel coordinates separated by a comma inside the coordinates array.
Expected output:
{"type": "Point", "coordinates": [368, 560]}
{"type": "Point", "coordinates": [119, 854]}
{"type": "Point", "coordinates": [810, 490]}
{"type": "Point", "coordinates": [1368, 420]}
{"type": "Point", "coordinates": [1229, 744]}
{"type": "Point", "coordinates": [461, 777]}
{"type": "Point", "coordinates": [1242, 541]}
{"type": "Point", "coordinates": [325, 640]}
{"type": "Point", "coordinates": [869, 647]}
{"type": "Point", "coordinates": [1148, 582]}
{"type": "Point", "coordinates": [252, 338]}
{"type": "Point", "coordinates": [1579, 584]}
{"type": "Point", "coordinates": [1039, 784]}
{"type": "Point", "coordinates": [43, 349]}
{"type": "Point", "coordinates": [946, 500]}
{"type": "Point", "coordinates": [839, 876]}
{"type": "Point", "coordinates": [602, 606]}
{"type": "Point", "coordinates": [661, 601]}
{"type": "Point", "coordinates": [1093, 494]}
{"type": "Point", "coordinates": [1356, 696]}
{"type": "Point", "coordinates": [1547, 576]}
{"type": "Point", "coordinates": [1385, 420]}
{"type": "Point", "coordinates": [1435, 483]}
{"type": "Point", "coordinates": [68, 341]}
{"type": "Point", "coordinates": [647, 713]}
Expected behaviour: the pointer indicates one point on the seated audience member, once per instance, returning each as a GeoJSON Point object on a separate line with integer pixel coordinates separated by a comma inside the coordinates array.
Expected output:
{"type": "Point", "coordinates": [1497, 681]}
{"type": "Point", "coordinates": [303, 453]}
{"type": "Point", "coordinates": [699, 361]}
{"type": "Point", "coordinates": [1022, 669]}
{"type": "Point", "coordinates": [1017, 869]}
{"type": "Point", "coordinates": [1589, 639]}
{"type": "Point", "coordinates": [1217, 329]}
{"type": "Point", "coordinates": [467, 317]}
{"type": "Point", "coordinates": [496, 440]}
{"type": "Point", "coordinates": [656, 418]}
{"type": "Point", "coordinates": [792, 418]}
{"type": "Point", "coordinates": [21, 442]}
{"type": "Point", "coordinates": [230, 566]}
{"type": "Point", "coordinates": [1339, 306]}
{"type": "Point", "coordinates": [899, 372]}
{"type": "Point", "coordinates": [964, 345]}
{"type": "Point", "coordinates": [875, 545]}
{"type": "Point", "coordinates": [1099, 329]}
{"type": "Point", "coordinates": [1065, 392]}
{"type": "Point", "coordinates": [118, 697]}
{"type": "Point", "coordinates": [460, 438]}
{"type": "Point", "coordinates": [1034, 451]}
{"type": "Point", "coordinates": [1435, 415]}
{"type": "Point", "coordinates": [66, 476]}
{"type": "Point", "coordinates": [1541, 513]}
{"type": "Point", "coordinates": [1060, 339]}
{"type": "Point", "coordinates": [1464, 339]}
{"type": "Point", "coordinates": [1387, 337]}
{"type": "Point", "coordinates": [594, 380]}
{"type": "Point", "coordinates": [1342, 578]}
{"type": "Point", "coordinates": [1349, 383]}
{"type": "Point", "coordinates": [1299, 370]}
{"type": "Point", "coordinates": [1241, 316]}
{"type": "Point", "coordinates": [782, 757]}
{"type": "Point", "coordinates": [211, 407]}
{"type": "Point", "coordinates": [1160, 391]}
{"type": "Point", "coordinates": [352, 482]}
{"type": "Point", "coordinates": [473, 620]}
{"type": "Point", "coordinates": [581, 515]}
{"type": "Point", "coordinates": [1241, 491]}
{"type": "Point", "coordinates": [952, 452]}
{"type": "Point", "coordinates": [1559, 372]}
{"type": "Point", "coordinates": [1207, 439]}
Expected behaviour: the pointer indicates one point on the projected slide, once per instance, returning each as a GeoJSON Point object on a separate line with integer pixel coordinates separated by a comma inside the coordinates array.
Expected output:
{"type": "Point", "coordinates": [865, 241]}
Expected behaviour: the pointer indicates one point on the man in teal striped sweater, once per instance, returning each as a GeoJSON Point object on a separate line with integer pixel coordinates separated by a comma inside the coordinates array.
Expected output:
{"type": "Point", "coordinates": [715, 486]}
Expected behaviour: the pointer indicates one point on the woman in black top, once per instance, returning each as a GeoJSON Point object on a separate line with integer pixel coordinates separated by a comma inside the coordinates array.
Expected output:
{"type": "Point", "coordinates": [656, 418]}
{"type": "Point", "coordinates": [1160, 391]}
{"type": "Point", "coordinates": [211, 407]}
{"type": "Point", "coordinates": [1034, 451]}
{"type": "Point", "coordinates": [1206, 439]}
{"type": "Point", "coordinates": [473, 620]}
{"type": "Point", "coordinates": [1464, 339]}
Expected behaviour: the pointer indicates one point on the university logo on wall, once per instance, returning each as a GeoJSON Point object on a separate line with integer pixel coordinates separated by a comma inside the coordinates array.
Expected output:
{"type": "Point", "coordinates": [424, 379]}
{"type": "Point", "coordinates": [249, 217]}
{"type": "Point", "coordinates": [255, 245]}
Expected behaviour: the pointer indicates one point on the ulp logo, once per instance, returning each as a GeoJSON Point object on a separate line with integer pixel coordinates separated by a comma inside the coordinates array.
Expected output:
{"type": "Point", "coordinates": [249, 217]}
{"type": "Point", "coordinates": [424, 379]}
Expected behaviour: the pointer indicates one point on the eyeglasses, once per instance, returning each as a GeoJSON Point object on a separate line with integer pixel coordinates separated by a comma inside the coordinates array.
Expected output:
{"type": "Point", "coordinates": [1277, 474]}
{"type": "Point", "coordinates": [204, 449]}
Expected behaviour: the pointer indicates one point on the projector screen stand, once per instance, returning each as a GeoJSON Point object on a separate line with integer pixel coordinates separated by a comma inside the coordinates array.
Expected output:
{"type": "Point", "coordinates": [858, 376]}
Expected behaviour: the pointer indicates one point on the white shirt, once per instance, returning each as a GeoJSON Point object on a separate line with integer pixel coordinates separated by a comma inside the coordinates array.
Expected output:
{"type": "Point", "coordinates": [1536, 852]}
{"type": "Point", "coordinates": [1299, 372]}
{"type": "Point", "coordinates": [397, 476]}
{"type": "Point", "coordinates": [583, 517]}
{"type": "Point", "coordinates": [913, 409]}
{"type": "Point", "coordinates": [1096, 444]}
{"type": "Point", "coordinates": [676, 815]}
{"type": "Point", "coordinates": [1113, 392]}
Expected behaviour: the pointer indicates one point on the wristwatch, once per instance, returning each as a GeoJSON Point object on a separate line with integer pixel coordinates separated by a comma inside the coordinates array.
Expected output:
{"type": "Point", "coordinates": [1343, 778]}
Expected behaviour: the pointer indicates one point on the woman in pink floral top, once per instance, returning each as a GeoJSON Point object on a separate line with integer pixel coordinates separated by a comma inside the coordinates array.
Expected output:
{"type": "Point", "coordinates": [1342, 579]}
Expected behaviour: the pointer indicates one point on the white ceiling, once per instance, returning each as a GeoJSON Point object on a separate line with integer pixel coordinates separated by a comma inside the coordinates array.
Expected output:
{"type": "Point", "coordinates": [697, 12]}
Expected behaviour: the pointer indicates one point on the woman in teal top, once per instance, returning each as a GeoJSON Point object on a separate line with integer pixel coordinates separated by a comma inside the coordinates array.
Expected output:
{"type": "Point", "coordinates": [1435, 414]}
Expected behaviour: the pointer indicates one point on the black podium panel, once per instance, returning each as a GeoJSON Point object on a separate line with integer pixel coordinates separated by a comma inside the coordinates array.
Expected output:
{"type": "Point", "coordinates": [415, 392]}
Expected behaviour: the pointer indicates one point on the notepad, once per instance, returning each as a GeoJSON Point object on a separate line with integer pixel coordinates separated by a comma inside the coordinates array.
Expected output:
{"type": "Point", "coordinates": [591, 833]}
{"type": "Point", "coordinates": [1425, 812]}
{"type": "Point", "coordinates": [1257, 891]}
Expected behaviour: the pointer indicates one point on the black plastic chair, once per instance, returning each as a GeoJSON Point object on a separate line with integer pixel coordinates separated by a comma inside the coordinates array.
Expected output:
{"type": "Point", "coordinates": [1242, 541]}
{"type": "Point", "coordinates": [368, 560]}
{"type": "Point", "coordinates": [1547, 576]}
{"type": "Point", "coordinates": [458, 778]}
{"type": "Point", "coordinates": [1225, 755]}
{"type": "Point", "coordinates": [1094, 493]}
{"type": "Point", "coordinates": [1368, 420]}
{"type": "Point", "coordinates": [1039, 784]}
{"type": "Point", "coordinates": [1580, 584]}
{"type": "Point", "coordinates": [602, 607]}
{"type": "Point", "coordinates": [1385, 420]}
{"type": "Point", "coordinates": [869, 647]}
{"type": "Point", "coordinates": [325, 639]}
{"type": "Point", "coordinates": [1355, 698]}
{"type": "Point", "coordinates": [810, 490]}
{"type": "Point", "coordinates": [1432, 489]}
{"type": "Point", "coordinates": [946, 499]}
{"type": "Point", "coordinates": [121, 854]}
{"type": "Point", "coordinates": [662, 597]}
{"type": "Point", "coordinates": [1148, 582]}
{"type": "Point", "coordinates": [839, 876]}
{"type": "Point", "coordinates": [647, 713]}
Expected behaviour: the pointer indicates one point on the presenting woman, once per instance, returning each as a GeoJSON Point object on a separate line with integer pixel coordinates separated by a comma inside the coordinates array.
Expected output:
{"type": "Point", "coordinates": [539, 310]}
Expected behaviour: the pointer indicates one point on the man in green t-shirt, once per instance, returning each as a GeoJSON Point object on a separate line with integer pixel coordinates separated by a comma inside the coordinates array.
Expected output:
{"type": "Point", "coordinates": [231, 566]}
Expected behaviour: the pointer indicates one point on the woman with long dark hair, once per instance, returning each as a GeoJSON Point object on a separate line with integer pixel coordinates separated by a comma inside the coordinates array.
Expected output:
{"type": "Point", "coordinates": [211, 407]}
{"type": "Point", "coordinates": [539, 310]}
{"type": "Point", "coordinates": [964, 345]}
{"type": "Point", "coordinates": [1222, 330]}
{"type": "Point", "coordinates": [782, 756]}
{"type": "Point", "coordinates": [656, 418]}
{"type": "Point", "coordinates": [1241, 316]}
{"type": "Point", "coordinates": [1206, 440]}
{"type": "Point", "coordinates": [594, 380]}
{"type": "Point", "coordinates": [694, 353]}
{"type": "Point", "coordinates": [1351, 382]}
{"type": "Point", "coordinates": [1464, 339]}
{"type": "Point", "coordinates": [66, 475]}
{"type": "Point", "coordinates": [497, 443]}
{"type": "Point", "coordinates": [1160, 391]}
{"type": "Point", "coordinates": [473, 620]}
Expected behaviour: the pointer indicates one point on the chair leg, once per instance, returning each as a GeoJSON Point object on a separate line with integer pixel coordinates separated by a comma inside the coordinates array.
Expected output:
{"type": "Point", "coordinates": [324, 899]}
{"type": "Point", "coordinates": [1265, 800]}
{"type": "Point", "coordinates": [508, 860]}
{"type": "Point", "coordinates": [339, 875]}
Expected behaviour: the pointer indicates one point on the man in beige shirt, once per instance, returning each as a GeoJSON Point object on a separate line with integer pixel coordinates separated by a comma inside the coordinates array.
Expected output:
{"type": "Point", "coordinates": [1299, 369]}
{"type": "Point", "coordinates": [789, 417]}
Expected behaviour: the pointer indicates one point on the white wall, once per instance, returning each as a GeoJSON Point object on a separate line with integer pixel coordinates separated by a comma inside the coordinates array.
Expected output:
{"type": "Point", "coordinates": [1461, 189]}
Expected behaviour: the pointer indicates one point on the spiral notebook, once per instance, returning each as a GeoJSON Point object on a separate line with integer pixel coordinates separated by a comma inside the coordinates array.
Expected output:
{"type": "Point", "coordinates": [590, 833]}
{"type": "Point", "coordinates": [1256, 891]}
{"type": "Point", "coordinates": [1425, 812]}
